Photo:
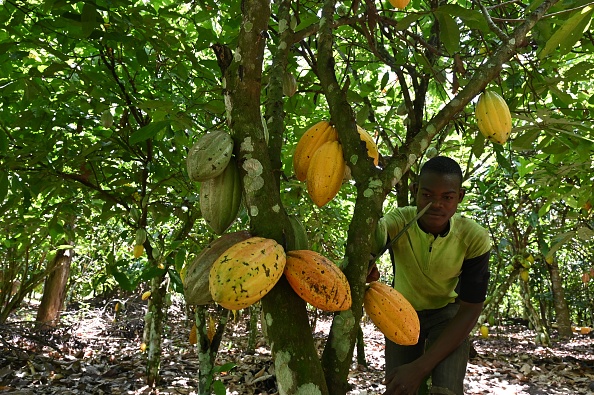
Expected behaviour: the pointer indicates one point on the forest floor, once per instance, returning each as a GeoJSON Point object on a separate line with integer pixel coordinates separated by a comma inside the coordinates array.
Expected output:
{"type": "Point", "coordinates": [96, 351]}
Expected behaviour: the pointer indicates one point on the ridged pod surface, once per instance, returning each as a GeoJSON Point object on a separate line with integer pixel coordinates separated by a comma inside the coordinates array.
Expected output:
{"type": "Point", "coordinates": [372, 150]}
{"type": "Point", "coordinates": [246, 272]}
{"type": "Point", "coordinates": [220, 198]}
{"type": "Point", "coordinates": [400, 4]}
{"type": "Point", "coordinates": [209, 156]}
{"type": "Point", "coordinates": [325, 173]}
{"type": "Point", "coordinates": [289, 84]}
{"type": "Point", "coordinates": [196, 290]}
{"type": "Point", "coordinates": [493, 117]}
{"type": "Point", "coordinates": [393, 315]}
{"type": "Point", "coordinates": [308, 144]}
{"type": "Point", "coordinates": [318, 281]}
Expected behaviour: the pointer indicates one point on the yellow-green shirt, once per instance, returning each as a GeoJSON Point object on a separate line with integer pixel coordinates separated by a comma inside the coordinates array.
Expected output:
{"type": "Point", "coordinates": [428, 268]}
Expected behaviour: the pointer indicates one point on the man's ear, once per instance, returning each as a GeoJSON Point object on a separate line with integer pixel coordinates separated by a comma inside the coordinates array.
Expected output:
{"type": "Point", "coordinates": [462, 194]}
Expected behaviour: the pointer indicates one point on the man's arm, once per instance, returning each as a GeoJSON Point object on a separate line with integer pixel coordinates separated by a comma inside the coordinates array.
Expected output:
{"type": "Point", "coordinates": [407, 378]}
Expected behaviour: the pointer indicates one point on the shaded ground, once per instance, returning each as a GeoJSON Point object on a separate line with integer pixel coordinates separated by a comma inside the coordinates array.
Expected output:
{"type": "Point", "coordinates": [97, 351]}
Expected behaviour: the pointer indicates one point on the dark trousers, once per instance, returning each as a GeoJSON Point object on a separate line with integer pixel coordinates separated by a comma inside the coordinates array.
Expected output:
{"type": "Point", "coordinates": [448, 376]}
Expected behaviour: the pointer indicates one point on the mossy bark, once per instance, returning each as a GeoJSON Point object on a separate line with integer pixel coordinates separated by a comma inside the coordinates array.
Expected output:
{"type": "Point", "coordinates": [155, 317]}
{"type": "Point", "coordinates": [285, 320]}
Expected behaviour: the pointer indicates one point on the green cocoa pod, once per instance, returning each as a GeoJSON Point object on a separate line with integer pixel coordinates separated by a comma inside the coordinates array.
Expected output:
{"type": "Point", "coordinates": [209, 156]}
{"type": "Point", "coordinates": [220, 198]}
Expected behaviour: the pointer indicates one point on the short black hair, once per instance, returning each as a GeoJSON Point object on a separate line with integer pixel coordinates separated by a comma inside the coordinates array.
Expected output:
{"type": "Point", "coordinates": [442, 165]}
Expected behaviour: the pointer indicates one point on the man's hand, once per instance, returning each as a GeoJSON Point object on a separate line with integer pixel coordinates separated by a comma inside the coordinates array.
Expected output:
{"type": "Point", "coordinates": [405, 379]}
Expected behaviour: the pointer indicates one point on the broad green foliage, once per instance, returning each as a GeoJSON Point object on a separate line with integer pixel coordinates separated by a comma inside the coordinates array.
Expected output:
{"type": "Point", "coordinates": [101, 100]}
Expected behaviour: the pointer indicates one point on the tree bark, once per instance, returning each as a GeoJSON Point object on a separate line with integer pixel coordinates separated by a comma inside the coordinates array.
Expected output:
{"type": "Point", "coordinates": [155, 317]}
{"type": "Point", "coordinates": [208, 347]}
{"type": "Point", "coordinates": [54, 289]}
{"type": "Point", "coordinates": [285, 320]}
{"type": "Point", "coordinates": [559, 301]}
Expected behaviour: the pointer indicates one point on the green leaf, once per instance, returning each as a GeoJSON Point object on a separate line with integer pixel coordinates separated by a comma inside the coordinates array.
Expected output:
{"type": "Point", "coordinates": [501, 159]}
{"type": "Point", "coordinates": [180, 259]}
{"type": "Point", "coordinates": [148, 131]}
{"type": "Point", "coordinates": [448, 32]}
{"type": "Point", "coordinates": [224, 368]}
{"type": "Point", "coordinates": [525, 141]}
{"type": "Point", "coordinates": [176, 280]}
{"type": "Point", "coordinates": [478, 147]}
{"type": "Point", "coordinates": [122, 279]}
{"type": "Point", "coordinates": [142, 57]}
{"type": "Point", "coordinates": [472, 18]}
{"type": "Point", "coordinates": [585, 233]}
{"type": "Point", "coordinates": [408, 20]}
{"type": "Point", "coordinates": [560, 240]}
{"type": "Point", "coordinates": [4, 184]}
{"type": "Point", "coordinates": [568, 34]}
{"type": "Point", "coordinates": [89, 19]}
{"type": "Point", "coordinates": [53, 68]}
{"type": "Point", "coordinates": [219, 388]}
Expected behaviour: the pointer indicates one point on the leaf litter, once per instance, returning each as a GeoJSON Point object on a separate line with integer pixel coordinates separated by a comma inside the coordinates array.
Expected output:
{"type": "Point", "coordinates": [96, 350]}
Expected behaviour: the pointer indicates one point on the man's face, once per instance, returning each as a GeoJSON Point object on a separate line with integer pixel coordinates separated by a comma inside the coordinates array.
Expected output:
{"type": "Point", "coordinates": [444, 192]}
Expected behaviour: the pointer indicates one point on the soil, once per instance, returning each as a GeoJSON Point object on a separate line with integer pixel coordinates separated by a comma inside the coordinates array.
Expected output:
{"type": "Point", "coordinates": [96, 350]}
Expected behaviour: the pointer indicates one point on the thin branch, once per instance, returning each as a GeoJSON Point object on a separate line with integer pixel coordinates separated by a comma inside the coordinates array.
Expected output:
{"type": "Point", "coordinates": [492, 24]}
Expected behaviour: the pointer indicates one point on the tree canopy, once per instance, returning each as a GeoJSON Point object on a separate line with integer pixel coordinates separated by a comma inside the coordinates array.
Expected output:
{"type": "Point", "coordinates": [101, 100]}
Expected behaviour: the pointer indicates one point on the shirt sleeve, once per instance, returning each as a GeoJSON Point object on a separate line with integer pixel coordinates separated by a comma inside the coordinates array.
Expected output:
{"type": "Point", "coordinates": [474, 279]}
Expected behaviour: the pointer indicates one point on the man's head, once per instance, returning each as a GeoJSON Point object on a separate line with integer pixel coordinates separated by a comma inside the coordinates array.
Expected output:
{"type": "Point", "coordinates": [440, 183]}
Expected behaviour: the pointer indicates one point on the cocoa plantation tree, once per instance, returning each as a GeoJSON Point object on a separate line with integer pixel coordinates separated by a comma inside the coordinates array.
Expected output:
{"type": "Point", "coordinates": [242, 69]}
{"type": "Point", "coordinates": [83, 114]}
{"type": "Point", "coordinates": [105, 98]}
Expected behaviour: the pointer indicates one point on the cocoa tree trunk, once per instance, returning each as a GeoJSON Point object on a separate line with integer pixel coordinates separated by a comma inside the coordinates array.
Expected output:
{"type": "Point", "coordinates": [285, 319]}
{"type": "Point", "coordinates": [208, 347]}
{"type": "Point", "coordinates": [54, 289]}
{"type": "Point", "coordinates": [155, 317]}
{"type": "Point", "coordinates": [559, 301]}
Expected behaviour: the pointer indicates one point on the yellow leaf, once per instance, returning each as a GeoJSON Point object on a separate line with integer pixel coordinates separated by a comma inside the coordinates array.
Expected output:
{"type": "Point", "coordinates": [193, 336]}
{"type": "Point", "coordinates": [211, 328]}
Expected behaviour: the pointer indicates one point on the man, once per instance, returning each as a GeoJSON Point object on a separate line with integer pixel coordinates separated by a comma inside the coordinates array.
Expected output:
{"type": "Point", "coordinates": [442, 269]}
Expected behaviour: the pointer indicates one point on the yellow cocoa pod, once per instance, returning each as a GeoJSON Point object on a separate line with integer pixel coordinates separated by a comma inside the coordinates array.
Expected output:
{"type": "Point", "coordinates": [484, 331]}
{"type": "Point", "coordinates": [138, 250]}
{"type": "Point", "coordinates": [146, 295]}
{"type": "Point", "coordinates": [325, 173]}
{"type": "Point", "coordinates": [393, 315]}
{"type": "Point", "coordinates": [318, 281]}
{"type": "Point", "coordinates": [493, 117]}
{"type": "Point", "coordinates": [400, 4]}
{"type": "Point", "coordinates": [246, 272]}
{"type": "Point", "coordinates": [370, 144]}
{"type": "Point", "coordinates": [308, 144]}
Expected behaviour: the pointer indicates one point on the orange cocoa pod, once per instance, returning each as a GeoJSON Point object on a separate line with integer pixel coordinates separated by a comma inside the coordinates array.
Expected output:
{"type": "Point", "coordinates": [318, 281]}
